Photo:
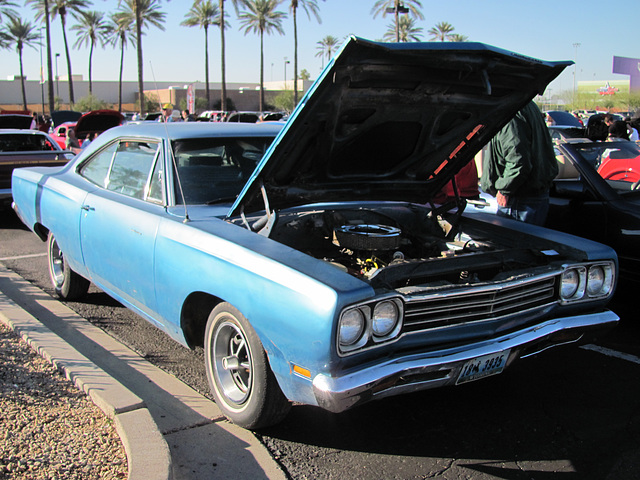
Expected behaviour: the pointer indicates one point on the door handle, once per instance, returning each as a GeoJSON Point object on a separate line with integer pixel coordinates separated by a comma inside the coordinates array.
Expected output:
{"type": "Point", "coordinates": [88, 208]}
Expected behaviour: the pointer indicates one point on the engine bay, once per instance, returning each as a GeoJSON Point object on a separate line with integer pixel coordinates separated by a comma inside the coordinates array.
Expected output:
{"type": "Point", "coordinates": [402, 245]}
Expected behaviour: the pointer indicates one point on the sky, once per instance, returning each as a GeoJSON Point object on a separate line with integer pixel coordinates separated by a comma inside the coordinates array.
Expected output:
{"type": "Point", "coordinates": [585, 32]}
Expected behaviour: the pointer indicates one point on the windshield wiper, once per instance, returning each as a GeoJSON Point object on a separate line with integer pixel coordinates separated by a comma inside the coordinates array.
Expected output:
{"type": "Point", "coordinates": [221, 200]}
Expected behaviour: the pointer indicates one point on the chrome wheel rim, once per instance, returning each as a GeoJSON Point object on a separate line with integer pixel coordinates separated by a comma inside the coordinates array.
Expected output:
{"type": "Point", "coordinates": [232, 362]}
{"type": "Point", "coordinates": [56, 264]}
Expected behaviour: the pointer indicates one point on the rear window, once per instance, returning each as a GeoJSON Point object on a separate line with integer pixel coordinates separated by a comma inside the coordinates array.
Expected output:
{"type": "Point", "coordinates": [17, 142]}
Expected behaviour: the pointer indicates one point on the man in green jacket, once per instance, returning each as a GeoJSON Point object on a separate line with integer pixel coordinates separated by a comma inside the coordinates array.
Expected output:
{"type": "Point", "coordinates": [520, 166]}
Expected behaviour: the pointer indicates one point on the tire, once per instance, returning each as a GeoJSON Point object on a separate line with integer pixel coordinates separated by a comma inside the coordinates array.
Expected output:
{"type": "Point", "coordinates": [67, 283]}
{"type": "Point", "coordinates": [244, 387]}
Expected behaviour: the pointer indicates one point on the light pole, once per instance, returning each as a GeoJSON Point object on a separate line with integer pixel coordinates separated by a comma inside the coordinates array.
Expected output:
{"type": "Point", "coordinates": [285, 72]}
{"type": "Point", "coordinates": [575, 62]}
{"type": "Point", "coordinates": [57, 77]}
{"type": "Point", "coordinates": [397, 10]}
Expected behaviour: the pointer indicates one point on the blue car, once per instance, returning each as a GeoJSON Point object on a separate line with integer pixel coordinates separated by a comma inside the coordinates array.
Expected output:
{"type": "Point", "coordinates": [308, 259]}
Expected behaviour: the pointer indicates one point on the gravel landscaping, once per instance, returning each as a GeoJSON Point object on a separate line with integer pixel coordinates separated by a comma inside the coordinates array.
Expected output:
{"type": "Point", "coordinates": [49, 429]}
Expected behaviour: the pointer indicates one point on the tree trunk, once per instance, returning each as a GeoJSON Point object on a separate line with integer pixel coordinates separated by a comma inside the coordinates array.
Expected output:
{"type": "Point", "coordinates": [295, 60]}
{"type": "Point", "coordinates": [261, 71]}
{"type": "Point", "coordinates": [206, 65]}
{"type": "Point", "coordinates": [49, 66]}
{"type": "Point", "coordinates": [24, 92]}
{"type": "Point", "coordinates": [223, 88]}
{"type": "Point", "coordinates": [68, 56]}
{"type": "Point", "coordinates": [90, 60]}
{"type": "Point", "coordinates": [121, 69]}
{"type": "Point", "coordinates": [140, 60]}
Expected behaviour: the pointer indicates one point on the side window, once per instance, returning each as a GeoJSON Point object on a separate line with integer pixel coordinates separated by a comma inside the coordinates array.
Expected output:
{"type": "Point", "coordinates": [131, 168]}
{"type": "Point", "coordinates": [96, 170]}
{"type": "Point", "coordinates": [155, 183]}
{"type": "Point", "coordinates": [125, 168]}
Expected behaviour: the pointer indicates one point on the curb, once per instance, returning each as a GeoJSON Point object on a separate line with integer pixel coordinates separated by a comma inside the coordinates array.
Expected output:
{"type": "Point", "coordinates": [134, 424]}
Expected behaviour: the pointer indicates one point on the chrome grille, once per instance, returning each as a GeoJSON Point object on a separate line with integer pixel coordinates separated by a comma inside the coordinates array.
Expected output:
{"type": "Point", "coordinates": [476, 304]}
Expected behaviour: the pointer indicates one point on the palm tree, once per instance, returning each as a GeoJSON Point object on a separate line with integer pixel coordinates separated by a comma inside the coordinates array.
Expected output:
{"type": "Point", "coordinates": [202, 14]}
{"type": "Point", "coordinates": [441, 32]}
{"type": "Point", "coordinates": [327, 47]}
{"type": "Point", "coordinates": [261, 17]}
{"type": "Point", "coordinates": [143, 13]}
{"type": "Point", "coordinates": [43, 6]}
{"type": "Point", "coordinates": [92, 29]}
{"type": "Point", "coordinates": [61, 8]}
{"type": "Point", "coordinates": [120, 33]}
{"type": "Point", "coordinates": [223, 89]}
{"type": "Point", "coordinates": [6, 10]}
{"type": "Point", "coordinates": [397, 7]}
{"type": "Point", "coordinates": [407, 29]}
{"type": "Point", "coordinates": [21, 34]}
{"type": "Point", "coordinates": [456, 37]}
{"type": "Point", "coordinates": [310, 7]}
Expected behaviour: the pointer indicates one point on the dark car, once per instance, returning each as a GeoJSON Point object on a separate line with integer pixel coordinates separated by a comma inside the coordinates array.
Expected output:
{"type": "Point", "coordinates": [26, 148]}
{"type": "Point", "coordinates": [244, 117]}
{"type": "Point", "coordinates": [560, 133]}
{"type": "Point", "coordinates": [603, 209]}
{"type": "Point", "coordinates": [15, 120]}
{"type": "Point", "coordinates": [560, 117]}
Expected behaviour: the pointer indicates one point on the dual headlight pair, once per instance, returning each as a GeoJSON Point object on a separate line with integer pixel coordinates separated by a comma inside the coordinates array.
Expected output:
{"type": "Point", "coordinates": [370, 323]}
{"type": "Point", "coordinates": [588, 281]}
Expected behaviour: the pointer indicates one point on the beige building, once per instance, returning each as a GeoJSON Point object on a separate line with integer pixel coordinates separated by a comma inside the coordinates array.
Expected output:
{"type": "Point", "coordinates": [245, 96]}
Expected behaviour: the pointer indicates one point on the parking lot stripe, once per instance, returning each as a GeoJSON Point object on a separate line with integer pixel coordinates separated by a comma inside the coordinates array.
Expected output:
{"type": "Point", "coordinates": [23, 256]}
{"type": "Point", "coordinates": [612, 353]}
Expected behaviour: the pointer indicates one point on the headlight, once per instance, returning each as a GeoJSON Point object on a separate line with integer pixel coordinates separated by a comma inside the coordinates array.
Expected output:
{"type": "Point", "coordinates": [587, 281]}
{"type": "Point", "coordinates": [570, 283]}
{"type": "Point", "coordinates": [595, 280]}
{"type": "Point", "coordinates": [385, 318]}
{"type": "Point", "coordinates": [351, 327]}
{"type": "Point", "coordinates": [600, 280]}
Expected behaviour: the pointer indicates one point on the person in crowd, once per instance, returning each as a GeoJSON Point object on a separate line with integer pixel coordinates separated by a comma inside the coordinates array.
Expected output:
{"type": "Point", "coordinates": [71, 141]}
{"type": "Point", "coordinates": [466, 182]}
{"type": "Point", "coordinates": [167, 110]}
{"type": "Point", "coordinates": [597, 129]}
{"type": "Point", "coordinates": [633, 131]}
{"type": "Point", "coordinates": [87, 141]}
{"type": "Point", "coordinates": [187, 117]}
{"type": "Point", "coordinates": [618, 130]}
{"type": "Point", "coordinates": [520, 166]}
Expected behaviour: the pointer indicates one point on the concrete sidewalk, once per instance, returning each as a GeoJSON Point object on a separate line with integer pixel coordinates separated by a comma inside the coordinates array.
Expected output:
{"type": "Point", "coordinates": [169, 430]}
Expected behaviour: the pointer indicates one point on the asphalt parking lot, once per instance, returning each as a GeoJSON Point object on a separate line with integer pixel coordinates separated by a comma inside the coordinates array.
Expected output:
{"type": "Point", "coordinates": [567, 413]}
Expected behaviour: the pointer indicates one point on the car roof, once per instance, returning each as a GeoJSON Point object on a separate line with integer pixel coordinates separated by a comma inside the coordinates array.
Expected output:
{"type": "Point", "coordinates": [185, 130]}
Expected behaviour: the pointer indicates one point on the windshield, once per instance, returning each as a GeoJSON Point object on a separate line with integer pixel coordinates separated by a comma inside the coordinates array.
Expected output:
{"type": "Point", "coordinates": [214, 170]}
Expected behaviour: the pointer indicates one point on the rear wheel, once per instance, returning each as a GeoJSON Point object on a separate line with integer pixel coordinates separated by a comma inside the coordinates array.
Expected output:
{"type": "Point", "coordinates": [241, 380]}
{"type": "Point", "coordinates": [67, 283]}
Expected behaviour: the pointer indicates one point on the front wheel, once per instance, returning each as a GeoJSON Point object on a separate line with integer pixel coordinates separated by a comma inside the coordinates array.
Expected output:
{"type": "Point", "coordinates": [240, 378]}
{"type": "Point", "coordinates": [67, 283]}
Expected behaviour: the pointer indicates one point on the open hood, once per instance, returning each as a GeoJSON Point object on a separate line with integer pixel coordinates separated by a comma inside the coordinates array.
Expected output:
{"type": "Point", "coordinates": [97, 121]}
{"type": "Point", "coordinates": [15, 120]}
{"type": "Point", "coordinates": [393, 121]}
{"type": "Point", "coordinates": [63, 116]}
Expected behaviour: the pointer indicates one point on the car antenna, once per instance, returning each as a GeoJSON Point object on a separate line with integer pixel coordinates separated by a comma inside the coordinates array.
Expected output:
{"type": "Point", "coordinates": [173, 157]}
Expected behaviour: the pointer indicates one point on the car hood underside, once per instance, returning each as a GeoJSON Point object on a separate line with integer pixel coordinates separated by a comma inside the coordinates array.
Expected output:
{"type": "Point", "coordinates": [393, 122]}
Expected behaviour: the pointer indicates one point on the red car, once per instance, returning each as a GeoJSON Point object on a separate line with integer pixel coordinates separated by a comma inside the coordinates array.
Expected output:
{"type": "Point", "coordinates": [621, 162]}
{"type": "Point", "coordinates": [59, 133]}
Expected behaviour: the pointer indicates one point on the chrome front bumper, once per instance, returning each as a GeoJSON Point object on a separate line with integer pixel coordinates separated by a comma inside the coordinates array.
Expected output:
{"type": "Point", "coordinates": [439, 368]}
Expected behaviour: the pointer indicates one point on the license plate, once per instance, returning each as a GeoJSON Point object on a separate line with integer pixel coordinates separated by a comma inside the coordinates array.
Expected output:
{"type": "Point", "coordinates": [483, 367]}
